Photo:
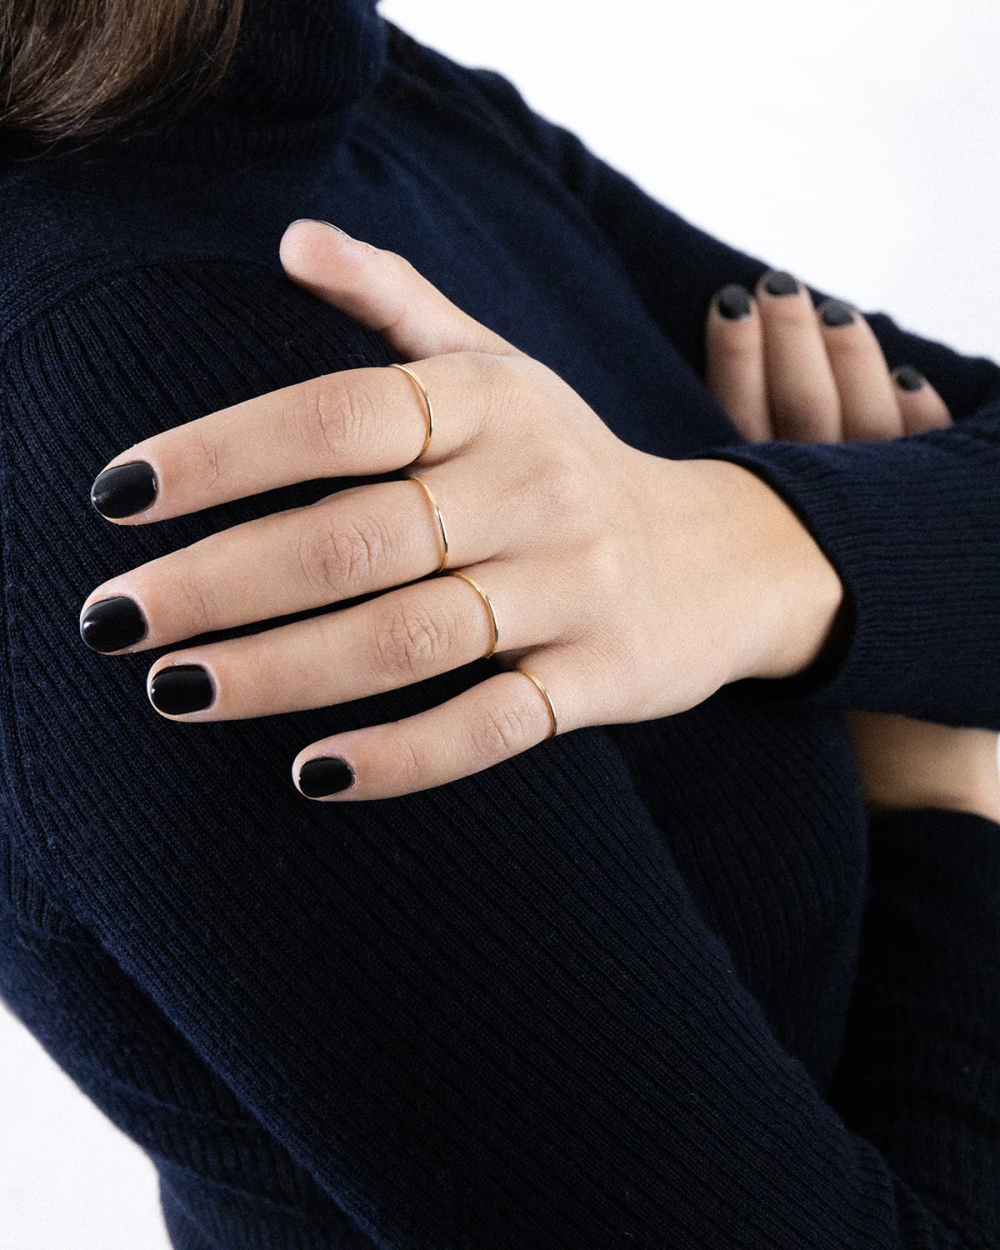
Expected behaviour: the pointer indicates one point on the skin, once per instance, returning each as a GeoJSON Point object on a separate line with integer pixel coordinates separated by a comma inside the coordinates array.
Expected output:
{"type": "Point", "coordinates": [624, 582]}
{"type": "Point", "coordinates": [782, 373]}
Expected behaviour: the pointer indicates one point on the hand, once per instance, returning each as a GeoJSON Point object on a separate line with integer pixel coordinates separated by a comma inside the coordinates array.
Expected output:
{"type": "Point", "coordinates": [628, 585]}
{"type": "Point", "coordinates": [782, 369]}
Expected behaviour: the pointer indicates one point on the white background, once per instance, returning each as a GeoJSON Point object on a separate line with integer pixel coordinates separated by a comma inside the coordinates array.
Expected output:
{"type": "Point", "coordinates": [854, 143]}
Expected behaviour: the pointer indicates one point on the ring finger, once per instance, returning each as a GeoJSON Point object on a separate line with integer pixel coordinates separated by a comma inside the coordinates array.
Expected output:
{"type": "Point", "coordinates": [399, 638]}
{"type": "Point", "coordinates": [868, 400]}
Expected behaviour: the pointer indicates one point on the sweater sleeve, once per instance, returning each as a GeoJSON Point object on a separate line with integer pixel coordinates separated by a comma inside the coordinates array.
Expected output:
{"type": "Point", "coordinates": [911, 526]}
{"type": "Point", "coordinates": [925, 1000]}
{"type": "Point", "coordinates": [486, 1015]}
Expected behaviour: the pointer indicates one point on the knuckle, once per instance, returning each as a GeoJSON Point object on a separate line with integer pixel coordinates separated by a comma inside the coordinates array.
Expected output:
{"type": "Point", "coordinates": [609, 568]}
{"type": "Point", "coordinates": [566, 486]}
{"type": "Point", "coordinates": [499, 383]}
{"type": "Point", "coordinates": [499, 732]}
{"type": "Point", "coordinates": [344, 557]}
{"type": "Point", "coordinates": [336, 418]}
{"type": "Point", "coordinates": [408, 641]}
{"type": "Point", "coordinates": [406, 268]}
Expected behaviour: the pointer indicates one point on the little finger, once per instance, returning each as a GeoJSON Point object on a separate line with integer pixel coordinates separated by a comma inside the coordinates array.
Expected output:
{"type": "Point", "coordinates": [483, 726]}
{"type": "Point", "coordinates": [922, 408]}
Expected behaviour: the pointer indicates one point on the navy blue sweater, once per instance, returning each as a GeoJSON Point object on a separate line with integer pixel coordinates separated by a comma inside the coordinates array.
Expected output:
{"type": "Point", "coordinates": [655, 985]}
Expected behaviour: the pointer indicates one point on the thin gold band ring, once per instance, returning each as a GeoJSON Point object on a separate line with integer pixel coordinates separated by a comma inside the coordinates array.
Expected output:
{"type": "Point", "coordinates": [444, 557]}
{"type": "Point", "coordinates": [545, 695]}
{"type": "Point", "coordinates": [489, 608]}
{"type": "Point", "coordinates": [427, 404]}
{"type": "Point", "coordinates": [440, 519]}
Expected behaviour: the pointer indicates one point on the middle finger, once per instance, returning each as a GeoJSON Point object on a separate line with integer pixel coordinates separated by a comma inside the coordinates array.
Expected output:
{"type": "Point", "coordinates": [357, 541]}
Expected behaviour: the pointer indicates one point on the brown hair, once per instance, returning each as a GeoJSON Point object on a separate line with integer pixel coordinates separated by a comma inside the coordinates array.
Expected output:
{"type": "Point", "coordinates": [79, 69]}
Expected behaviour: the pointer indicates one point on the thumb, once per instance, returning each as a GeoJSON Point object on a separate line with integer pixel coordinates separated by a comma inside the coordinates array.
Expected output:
{"type": "Point", "coordinates": [383, 291]}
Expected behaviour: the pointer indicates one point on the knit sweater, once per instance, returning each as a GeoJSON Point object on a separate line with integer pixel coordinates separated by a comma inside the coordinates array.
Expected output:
{"type": "Point", "coordinates": [649, 985]}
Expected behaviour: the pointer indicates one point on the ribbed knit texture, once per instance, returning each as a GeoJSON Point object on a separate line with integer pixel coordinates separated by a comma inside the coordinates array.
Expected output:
{"type": "Point", "coordinates": [652, 985]}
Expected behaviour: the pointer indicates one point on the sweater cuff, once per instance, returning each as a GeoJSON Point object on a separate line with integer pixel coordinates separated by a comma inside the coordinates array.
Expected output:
{"type": "Point", "coordinates": [912, 527]}
{"type": "Point", "coordinates": [970, 838]}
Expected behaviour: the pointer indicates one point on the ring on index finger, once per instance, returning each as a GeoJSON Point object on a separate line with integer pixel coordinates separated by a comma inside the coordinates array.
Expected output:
{"type": "Point", "coordinates": [427, 405]}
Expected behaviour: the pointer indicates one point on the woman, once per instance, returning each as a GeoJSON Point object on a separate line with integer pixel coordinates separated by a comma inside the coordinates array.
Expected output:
{"type": "Point", "coordinates": [619, 986]}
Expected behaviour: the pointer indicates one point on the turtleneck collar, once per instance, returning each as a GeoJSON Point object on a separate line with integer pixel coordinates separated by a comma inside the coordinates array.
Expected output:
{"type": "Point", "coordinates": [297, 75]}
{"type": "Point", "coordinates": [302, 59]}
{"type": "Point", "coordinates": [299, 70]}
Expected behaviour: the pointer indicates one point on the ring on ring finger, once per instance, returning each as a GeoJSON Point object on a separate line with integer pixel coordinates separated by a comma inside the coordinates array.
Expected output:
{"type": "Point", "coordinates": [405, 636]}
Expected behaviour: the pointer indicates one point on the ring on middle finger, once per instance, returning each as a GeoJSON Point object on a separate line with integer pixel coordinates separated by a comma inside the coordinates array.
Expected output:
{"type": "Point", "coordinates": [440, 520]}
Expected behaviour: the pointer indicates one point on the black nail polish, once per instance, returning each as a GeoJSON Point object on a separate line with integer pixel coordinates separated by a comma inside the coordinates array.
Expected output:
{"type": "Point", "coordinates": [181, 688]}
{"type": "Point", "coordinates": [835, 313]}
{"type": "Point", "coordinates": [124, 489]}
{"type": "Point", "coordinates": [733, 302]}
{"type": "Point", "coordinates": [907, 378]}
{"type": "Point", "coordinates": [777, 282]}
{"type": "Point", "coordinates": [111, 624]}
{"type": "Point", "coordinates": [323, 776]}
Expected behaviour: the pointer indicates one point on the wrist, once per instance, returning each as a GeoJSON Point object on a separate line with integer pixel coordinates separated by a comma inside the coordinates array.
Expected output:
{"type": "Point", "coordinates": [906, 764]}
{"type": "Point", "coordinates": [795, 599]}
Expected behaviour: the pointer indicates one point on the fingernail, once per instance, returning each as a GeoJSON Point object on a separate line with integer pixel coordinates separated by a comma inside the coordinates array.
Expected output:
{"type": "Point", "coordinates": [325, 775]}
{"type": "Point", "coordinates": [322, 223]}
{"type": "Point", "coordinates": [907, 378]}
{"type": "Point", "coordinates": [777, 282]}
{"type": "Point", "coordinates": [835, 313]}
{"type": "Point", "coordinates": [111, 624]}
{"type": "Point", "coordinates": [181, 688]}
{"type": "Point", "coordinates": [124, 489]}
{"type": "Point", "coordinates": [733, 302]}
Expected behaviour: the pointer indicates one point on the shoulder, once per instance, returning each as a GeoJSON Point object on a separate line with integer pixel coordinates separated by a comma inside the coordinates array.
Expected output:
{"type": "Point", "coordinates": [149, 275]}
{"type": "Point", "coordinates": [80, 218]}
{"type": "Point", "coordinates": [123, 311]}
{"type": "Point", "coordinates": [485, 98]}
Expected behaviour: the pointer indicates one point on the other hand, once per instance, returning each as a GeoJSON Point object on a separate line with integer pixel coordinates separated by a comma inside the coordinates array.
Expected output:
{"type": "Point", "coordinates": [782, 369]}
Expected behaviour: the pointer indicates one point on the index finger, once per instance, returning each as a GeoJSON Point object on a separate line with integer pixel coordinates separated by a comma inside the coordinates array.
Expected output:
{"type": "Point", "coordinates": [350, 423]}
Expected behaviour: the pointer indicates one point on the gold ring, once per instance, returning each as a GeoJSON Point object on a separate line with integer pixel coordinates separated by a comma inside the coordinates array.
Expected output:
{"type": "Point", "coordinates": [440, 519]}
{"type": "Point", "coordinates": [545, 695]}
{"type": "Point", "coordinates": [427, 403]}
{"type": "Point", "coordinates": [489, 608]}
